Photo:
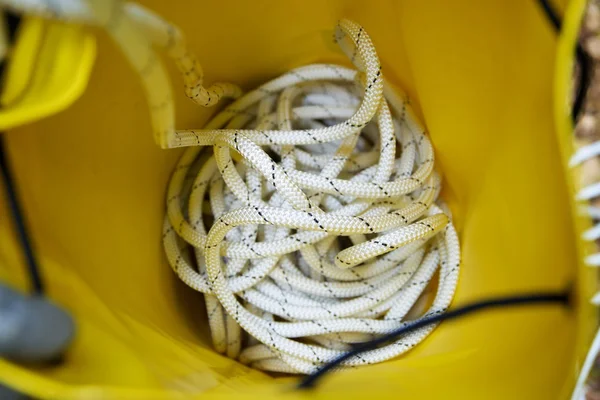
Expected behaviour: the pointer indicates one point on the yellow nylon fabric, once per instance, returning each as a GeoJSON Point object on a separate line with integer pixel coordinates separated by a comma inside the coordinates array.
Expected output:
{"type": "Point", "coordinates": [481, 75]}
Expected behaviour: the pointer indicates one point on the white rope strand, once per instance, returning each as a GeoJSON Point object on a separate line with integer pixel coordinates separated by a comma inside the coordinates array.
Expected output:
{"type": "Point", "coordinates": [136, 30]}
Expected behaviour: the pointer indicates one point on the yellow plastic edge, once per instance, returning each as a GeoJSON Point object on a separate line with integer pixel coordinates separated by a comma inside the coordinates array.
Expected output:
{"type": "Point", "coordinates": [38, 386]}
{"type": "Point", "coordinates": [585, 282]}
{"type": "Point", "coordinates": [49, 83]}
{"type": "Point", "coordinates": [18, 74]}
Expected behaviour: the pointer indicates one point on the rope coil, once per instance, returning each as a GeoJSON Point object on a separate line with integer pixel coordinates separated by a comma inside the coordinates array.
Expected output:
{"type": "Point", "coordinates": [329, 242]}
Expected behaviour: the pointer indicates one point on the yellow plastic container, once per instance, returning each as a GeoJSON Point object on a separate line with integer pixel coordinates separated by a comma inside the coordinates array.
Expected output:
{"type": "Point", "coordinates": [490, 78]}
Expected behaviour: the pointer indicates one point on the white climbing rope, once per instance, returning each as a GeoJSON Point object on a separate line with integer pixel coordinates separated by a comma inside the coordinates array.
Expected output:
{"type": "Point", "coordinates": [306, 211]}
{"type": "Point", "coordinates": [328, 241]}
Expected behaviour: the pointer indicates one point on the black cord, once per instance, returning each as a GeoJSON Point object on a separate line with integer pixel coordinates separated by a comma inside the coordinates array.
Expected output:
{"type": "Point", "coordinates": [12, 22]}
{"type": "Point", "coordinates": [583, 60]}
{"type": "Point", "coordinates": [585, 78]}
{"type": "Point", "coordinates": [499, 302]}
{"type": "Point", "coordinates": [551, 14]}
{"type": "Point", "coordinates": [19, 220]}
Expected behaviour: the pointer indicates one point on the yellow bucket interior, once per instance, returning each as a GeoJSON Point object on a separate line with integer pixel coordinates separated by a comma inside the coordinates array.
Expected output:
{"type": "Point", "coordinates": [483, 76]}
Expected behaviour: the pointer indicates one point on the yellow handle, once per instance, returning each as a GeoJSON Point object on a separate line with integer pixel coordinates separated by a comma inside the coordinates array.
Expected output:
{"type": "Point", "coordinates": [48, 70]}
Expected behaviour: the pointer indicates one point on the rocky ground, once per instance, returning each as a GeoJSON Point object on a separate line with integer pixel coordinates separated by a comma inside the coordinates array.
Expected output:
{"type": "Point", "coordinates": [587, 130]}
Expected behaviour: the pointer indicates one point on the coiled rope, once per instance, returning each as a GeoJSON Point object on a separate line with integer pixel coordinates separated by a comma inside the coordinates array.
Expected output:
{"type": "Point", "coordinates": [314, 223]}
{"type": "Point", "coordinates": [274, 262]}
